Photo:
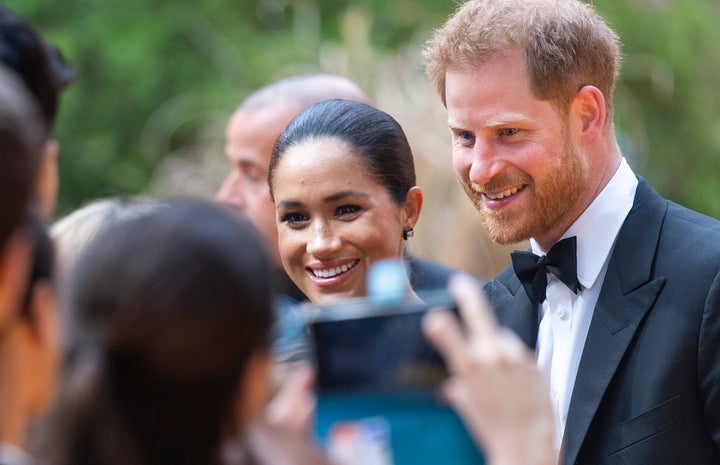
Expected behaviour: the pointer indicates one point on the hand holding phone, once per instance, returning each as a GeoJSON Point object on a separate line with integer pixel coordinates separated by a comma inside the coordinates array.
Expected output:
{"type": "Point", "coordinates": [377, 377]}
{"type": "Point", "coordinates": [495, 385]}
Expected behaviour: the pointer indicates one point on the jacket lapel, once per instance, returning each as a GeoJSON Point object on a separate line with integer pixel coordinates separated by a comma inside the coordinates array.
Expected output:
{"type": "Point", "coordinates": [628, 293]}
{"type": "Point", "coordinates": [513, 307]}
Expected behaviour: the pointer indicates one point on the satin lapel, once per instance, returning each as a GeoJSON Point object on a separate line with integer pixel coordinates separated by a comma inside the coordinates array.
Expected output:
{"type": "Point", "coordinates": [513, 307]}
{"type": "Point", "coordinates": [628, 293]}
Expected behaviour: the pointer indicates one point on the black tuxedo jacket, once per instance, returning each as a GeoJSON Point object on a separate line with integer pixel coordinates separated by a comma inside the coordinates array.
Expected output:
{"type": "Point", "coordinates": [648, 385]}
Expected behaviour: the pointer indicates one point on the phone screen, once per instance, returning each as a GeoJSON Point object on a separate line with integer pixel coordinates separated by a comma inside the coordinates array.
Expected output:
{"type": "Point", "coordinates": [378, 353]}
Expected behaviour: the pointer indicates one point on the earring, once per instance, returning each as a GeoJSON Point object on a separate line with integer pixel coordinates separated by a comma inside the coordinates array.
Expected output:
{"type": "Point", "coordinates": [408, 233]}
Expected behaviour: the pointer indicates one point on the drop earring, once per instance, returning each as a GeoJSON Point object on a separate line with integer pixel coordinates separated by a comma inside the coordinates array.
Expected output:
{"type": "Point", "coordinates": [408, 233]}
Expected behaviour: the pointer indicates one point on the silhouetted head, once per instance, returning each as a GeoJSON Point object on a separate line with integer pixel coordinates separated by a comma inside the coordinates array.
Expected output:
{"type": "Point", "coordinates": [169, 319]}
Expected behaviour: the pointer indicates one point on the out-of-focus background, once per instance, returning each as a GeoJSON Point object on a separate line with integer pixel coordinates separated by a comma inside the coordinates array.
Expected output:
{"type": "Point", "coordinates": [157, 80]}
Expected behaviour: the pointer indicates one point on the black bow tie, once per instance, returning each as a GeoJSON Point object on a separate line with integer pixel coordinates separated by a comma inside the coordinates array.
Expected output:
{"type": "Point", "coordinates": [532, 270]}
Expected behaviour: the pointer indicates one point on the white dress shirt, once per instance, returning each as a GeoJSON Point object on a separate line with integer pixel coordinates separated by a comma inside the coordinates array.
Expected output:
{"type": "Point", "coordinates": [564, 316]}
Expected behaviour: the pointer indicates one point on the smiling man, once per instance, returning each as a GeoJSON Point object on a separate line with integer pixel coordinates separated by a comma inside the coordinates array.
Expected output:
{"type": "Point", "coordinates": [620, 296]}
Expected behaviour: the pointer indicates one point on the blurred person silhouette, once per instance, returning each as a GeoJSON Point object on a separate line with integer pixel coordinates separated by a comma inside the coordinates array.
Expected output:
{"type": "Point", "coordinates": [26, 333]}
{"type": "Point", "coordinates": [250, 136]}
{"type": "Point", "coordinates": [43, 71]}
{"type": "Point", "coordinates": [620, 296]}
{"type": "Point", "coordinates": [21, 138]}
{"type": "Point", "coordinates": [167, 356]}
{"type": "Point", "coordinates": [74, 230]}
{"type": "Point", "coordinates": [29, 352]}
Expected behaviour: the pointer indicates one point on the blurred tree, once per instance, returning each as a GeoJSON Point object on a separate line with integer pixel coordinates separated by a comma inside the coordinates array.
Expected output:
{"type": "Point", "coordinates": [154, 75]}
{"type": "Point", "coordinates": [668, 107]}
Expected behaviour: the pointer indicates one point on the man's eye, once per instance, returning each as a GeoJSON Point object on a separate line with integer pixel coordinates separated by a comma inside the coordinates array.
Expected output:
{"type": "Point", "coordinates": [346, 210]}
{"type": "Point", "coordinates": [466, 135]}
{"type": "Point", "coordinates": [464, 138]}
{"type": "Point", "coordinates": [509, 131]}
{"type": "Point", "coordinates": [255, 174]}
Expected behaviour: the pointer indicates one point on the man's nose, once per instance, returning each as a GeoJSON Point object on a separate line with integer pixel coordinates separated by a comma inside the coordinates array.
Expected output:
{"type": "Point", "coordinates": [231, 193]}
{"type": "Point", "coordinates": [485, 163]}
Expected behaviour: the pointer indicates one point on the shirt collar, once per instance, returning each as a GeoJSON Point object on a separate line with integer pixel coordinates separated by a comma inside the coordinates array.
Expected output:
{"type": "Point", "coordinates": [598, 226]}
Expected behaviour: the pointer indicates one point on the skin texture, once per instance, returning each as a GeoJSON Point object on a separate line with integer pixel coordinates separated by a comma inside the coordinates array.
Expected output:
{"type": "Point", "coordinates": [48, 178]}
{"type": "Point", "coordinates": [250, 136]}
{"type": "Point", "coordinates": [15, 258]}
{"type": "Point", "coordinates": [332, 216]}
{"type": "Point", "coordinates": [29, 359]}
{"type": "Point", "coordinates": [529, 169]}
{"type": "Point", "coordinates": [254, 388]}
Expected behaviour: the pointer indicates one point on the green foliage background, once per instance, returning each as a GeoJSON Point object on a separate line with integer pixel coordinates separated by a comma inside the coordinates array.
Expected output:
{"type": "Point", "coordinates": [154, 76]}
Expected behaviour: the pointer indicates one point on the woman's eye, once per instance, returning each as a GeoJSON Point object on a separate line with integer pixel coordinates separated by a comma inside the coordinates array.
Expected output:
{"type": "Point", "coordinates": [293, 218]}
{"type": "Point", "coordinates": [346, 210]}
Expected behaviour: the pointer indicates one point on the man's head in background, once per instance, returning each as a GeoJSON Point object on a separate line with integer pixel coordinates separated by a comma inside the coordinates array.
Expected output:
{"type": "Point", "coordinates": [250, 136]}
{"type": "Point", "coordinates": [42, 70]}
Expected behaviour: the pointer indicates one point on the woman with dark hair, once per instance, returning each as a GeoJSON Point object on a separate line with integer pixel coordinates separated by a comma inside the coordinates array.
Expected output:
{"type": "Point", "coordinates": [343, 181]}
{"type": "Point", "coordinates": [342, 178]}
{"type": "Point", "coordinates": [168, 330]}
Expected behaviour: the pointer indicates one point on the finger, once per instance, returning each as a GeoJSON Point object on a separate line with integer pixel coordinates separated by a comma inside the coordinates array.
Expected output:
{"type": "Point", "coordinates": [474, 307]}
{"type": "Point", "coordinates": [293, 406]}
{"type": "Point", "coordinates": [512, 348]}
{"type": "Point", "coordinates": [442, 329]}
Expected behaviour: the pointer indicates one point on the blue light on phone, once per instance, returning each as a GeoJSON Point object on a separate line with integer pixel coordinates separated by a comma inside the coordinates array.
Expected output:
{"type": "Point", "coordinates": [387, 282]}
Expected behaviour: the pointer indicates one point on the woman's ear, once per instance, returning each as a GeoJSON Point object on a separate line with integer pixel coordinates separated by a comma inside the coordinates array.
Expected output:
{"type": "Point", "coordinates": [413, 205]}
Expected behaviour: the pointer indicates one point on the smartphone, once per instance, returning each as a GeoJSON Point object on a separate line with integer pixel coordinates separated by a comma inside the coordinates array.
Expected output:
{"type": "Point", "coordinates": [376, 380]}
{"type": "Point", "coordinates": [368, 348]}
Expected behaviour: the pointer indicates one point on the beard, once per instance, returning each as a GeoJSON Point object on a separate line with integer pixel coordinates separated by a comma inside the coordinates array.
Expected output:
{"type": "Point", "coordinates": [551, 199]}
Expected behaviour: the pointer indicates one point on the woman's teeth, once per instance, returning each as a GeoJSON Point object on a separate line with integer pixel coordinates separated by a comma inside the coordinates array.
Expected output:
{"type": "Point", "coordinates": [330, 272]}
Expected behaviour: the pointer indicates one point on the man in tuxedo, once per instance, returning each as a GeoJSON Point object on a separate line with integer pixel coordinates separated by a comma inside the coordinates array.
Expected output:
{"type": "Point", "coordinates": [620, 297]}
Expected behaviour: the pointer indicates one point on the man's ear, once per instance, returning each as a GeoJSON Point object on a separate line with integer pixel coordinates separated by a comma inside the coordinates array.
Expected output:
{"type": "Point", "coordinates": [413, 205]}
{"type": "Point", "coordinates": [15, 259]}
{"type": "Point", "coordinates": [588, 110]}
